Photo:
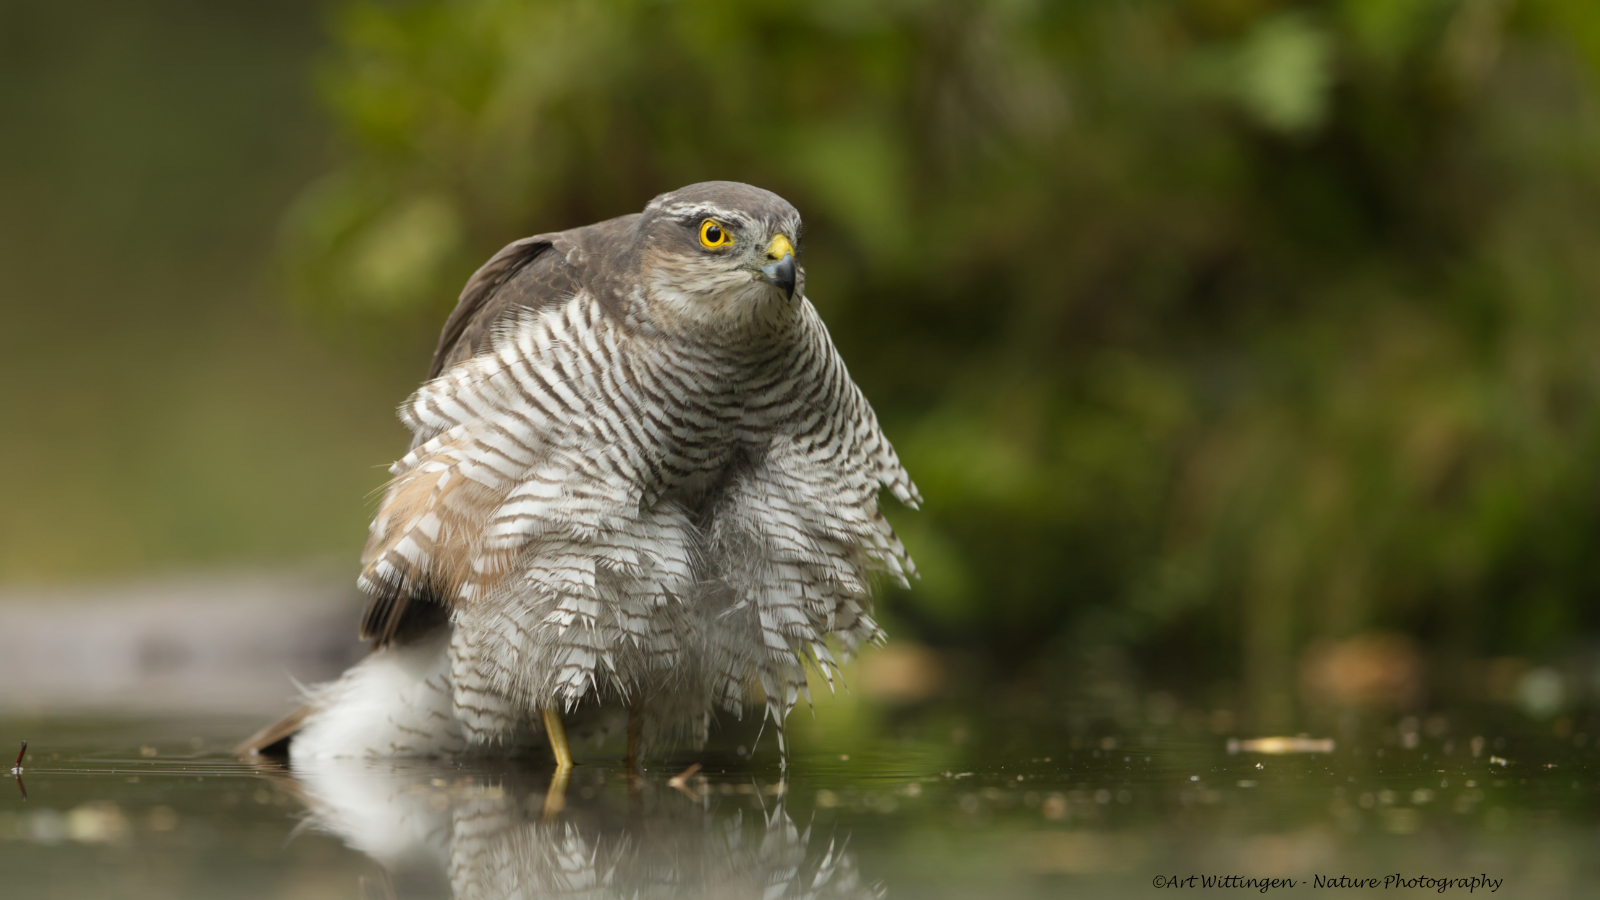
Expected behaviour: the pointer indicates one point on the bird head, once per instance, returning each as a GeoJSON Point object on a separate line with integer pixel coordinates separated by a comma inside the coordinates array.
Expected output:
{"type": "Point", "coordinates": [722, 254]}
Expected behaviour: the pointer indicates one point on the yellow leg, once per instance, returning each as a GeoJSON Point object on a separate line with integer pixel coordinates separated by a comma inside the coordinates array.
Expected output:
{"type": "Point", "coordinates": [556, 799]}
{"type": "Point", "coordinates": [558, 739]}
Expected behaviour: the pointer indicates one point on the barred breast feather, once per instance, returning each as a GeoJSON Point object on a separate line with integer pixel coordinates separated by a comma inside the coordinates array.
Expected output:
{"type": "Point", "coordinates": [594, 502]}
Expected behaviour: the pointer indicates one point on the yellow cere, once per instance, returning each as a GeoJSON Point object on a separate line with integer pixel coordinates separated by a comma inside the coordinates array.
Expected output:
{"type": "Point", "coordinates": [713, 235]}
{"type": "Point", "coordinates": [779, 248]}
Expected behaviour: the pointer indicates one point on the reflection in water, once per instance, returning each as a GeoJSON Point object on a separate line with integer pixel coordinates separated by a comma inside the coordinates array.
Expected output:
{"type": "Point", "coordinates": [489, 835]}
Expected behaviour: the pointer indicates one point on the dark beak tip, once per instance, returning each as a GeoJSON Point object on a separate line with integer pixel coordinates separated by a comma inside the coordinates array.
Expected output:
{"type": "Point", "coordinates": [781, 274]}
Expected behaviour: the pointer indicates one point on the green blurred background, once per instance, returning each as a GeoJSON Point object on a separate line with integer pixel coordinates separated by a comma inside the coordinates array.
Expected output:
{"type": "Point", "coordinates": [1243, 349]}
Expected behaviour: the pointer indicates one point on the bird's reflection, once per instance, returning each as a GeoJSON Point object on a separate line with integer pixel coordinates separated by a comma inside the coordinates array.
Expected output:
{"type": "Point", "coordinates": [495, 834]}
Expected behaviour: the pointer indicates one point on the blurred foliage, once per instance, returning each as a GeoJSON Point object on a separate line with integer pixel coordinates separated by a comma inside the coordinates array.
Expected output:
{"type": "Point", "coordinates": [161, 407]}
{"type": "Point", "coordinates": [1208, 328]}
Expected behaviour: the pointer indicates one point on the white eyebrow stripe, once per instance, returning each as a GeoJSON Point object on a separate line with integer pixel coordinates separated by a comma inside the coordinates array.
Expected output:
{"type": "Point", "coordinates": [704, 209]}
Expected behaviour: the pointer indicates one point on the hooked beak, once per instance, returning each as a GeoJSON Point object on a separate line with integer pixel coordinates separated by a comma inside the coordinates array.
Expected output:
{"type": "Point", "coordinates": [780, 268]}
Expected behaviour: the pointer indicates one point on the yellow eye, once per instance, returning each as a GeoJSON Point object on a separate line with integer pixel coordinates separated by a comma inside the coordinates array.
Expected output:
{"type": "Point", "coordinates": [713, 235]}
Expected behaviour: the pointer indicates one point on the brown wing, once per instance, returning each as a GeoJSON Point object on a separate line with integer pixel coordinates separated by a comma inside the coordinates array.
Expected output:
{"type": "Point", "coordinates": [508, 277]}
{"type": "Point", "coordinates": [531, 274]}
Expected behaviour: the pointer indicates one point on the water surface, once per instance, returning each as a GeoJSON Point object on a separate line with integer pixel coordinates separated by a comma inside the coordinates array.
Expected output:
{"type": "Point", "coordinates": [159, 808]}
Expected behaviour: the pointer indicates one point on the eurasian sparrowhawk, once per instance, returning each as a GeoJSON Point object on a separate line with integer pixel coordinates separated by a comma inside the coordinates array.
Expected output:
{"type": "Point", "coordinates": [640, 477]}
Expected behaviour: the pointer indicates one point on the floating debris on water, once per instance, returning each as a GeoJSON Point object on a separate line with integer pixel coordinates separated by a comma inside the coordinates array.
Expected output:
{"type": "Point", "coordinates": [16, 772]}
{"type": "Point", "coordinates": [1281, 745]}
{"type": "Point", "coordinates": [680, 781]}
